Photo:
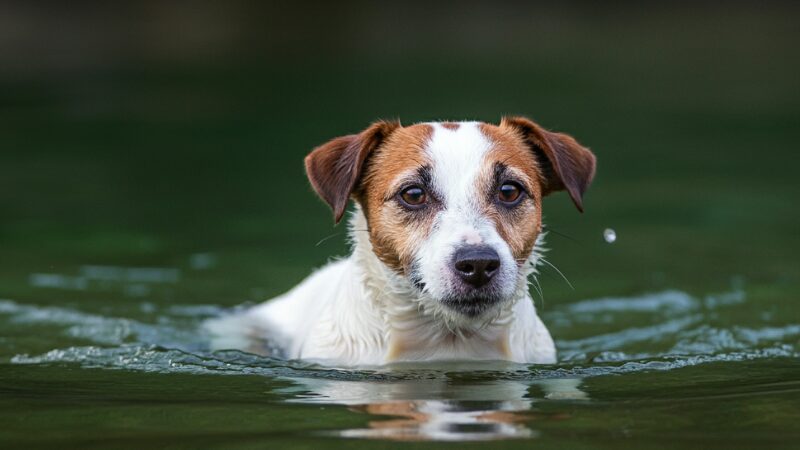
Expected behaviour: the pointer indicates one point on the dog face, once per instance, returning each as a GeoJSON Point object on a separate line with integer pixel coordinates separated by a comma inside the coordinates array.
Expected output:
{"type": "Point", "coordinates": [453, 209]}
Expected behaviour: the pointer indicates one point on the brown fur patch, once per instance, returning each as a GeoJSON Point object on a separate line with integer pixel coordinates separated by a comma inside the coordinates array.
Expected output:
{"type": "Point", "coordinates": [335, 167]}
{"type": "Point", "coordinates": [563, 162]}
{"type": "Point", "coordinates": [392, 232]}
{"type": "Point", "coordinates": [521, 225]}
{"type": "Point", "coordinates": [450, 125]}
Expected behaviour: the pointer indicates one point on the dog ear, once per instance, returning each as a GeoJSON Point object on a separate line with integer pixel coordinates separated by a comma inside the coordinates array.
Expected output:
{"type": "Point", "coordinates": [564, 163]}
{"type": "Point", "coordinates": [335, 167]}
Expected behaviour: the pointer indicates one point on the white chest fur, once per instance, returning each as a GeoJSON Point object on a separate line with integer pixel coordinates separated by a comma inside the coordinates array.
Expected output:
{"type": "Point", "coordinates": [356, 312]}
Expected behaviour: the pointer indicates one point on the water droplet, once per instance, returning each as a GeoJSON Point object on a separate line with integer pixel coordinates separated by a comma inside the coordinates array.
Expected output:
{"type": "Point", "coordinates": [609, 235]}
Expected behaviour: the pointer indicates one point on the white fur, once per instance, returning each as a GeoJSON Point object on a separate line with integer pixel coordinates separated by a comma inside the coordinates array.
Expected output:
{"type": "Point", "coordinates": [457, 158]}
{"type": "Point", "coordinates": [358, 312]}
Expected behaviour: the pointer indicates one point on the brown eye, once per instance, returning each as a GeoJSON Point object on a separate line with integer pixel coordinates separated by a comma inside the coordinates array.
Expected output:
{"type": "Point", "coordinates": [509, 192]}
{"type": "Point", "coordinates": [413, 196]}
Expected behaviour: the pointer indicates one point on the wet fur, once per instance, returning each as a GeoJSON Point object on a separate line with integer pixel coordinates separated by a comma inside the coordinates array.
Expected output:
{"type": "Point", "coordinates": [395, 298]}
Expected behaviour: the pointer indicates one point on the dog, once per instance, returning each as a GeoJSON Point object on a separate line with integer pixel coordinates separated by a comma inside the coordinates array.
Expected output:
{"type": "Point", "coordinates": [446, 231]}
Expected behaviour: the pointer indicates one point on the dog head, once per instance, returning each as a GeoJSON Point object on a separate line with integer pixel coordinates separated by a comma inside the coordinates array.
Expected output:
{"type": "Point", "coordinates": [453, 209]}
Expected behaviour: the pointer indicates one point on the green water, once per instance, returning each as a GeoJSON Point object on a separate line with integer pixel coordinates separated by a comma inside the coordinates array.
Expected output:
{"type": "Point", "coordinates": [138, 201]}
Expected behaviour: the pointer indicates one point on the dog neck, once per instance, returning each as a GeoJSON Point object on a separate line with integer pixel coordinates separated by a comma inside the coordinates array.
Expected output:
{"type": "Point", "coordinates": [418, 327]}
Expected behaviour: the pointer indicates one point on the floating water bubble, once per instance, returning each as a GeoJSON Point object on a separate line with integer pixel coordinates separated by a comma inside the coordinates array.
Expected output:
{"type": "Point", "coordinates": [609, 235]}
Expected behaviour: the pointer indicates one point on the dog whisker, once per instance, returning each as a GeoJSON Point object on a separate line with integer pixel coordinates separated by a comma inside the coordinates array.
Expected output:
{"type": "Point", "coordinates": [559, 272]}
{"type": "Point", "coordinates": [538, 287]}
{"type": "Point", "coordinates": [550, 229]}
{"type": "Point", "coordinates": [326, 238]}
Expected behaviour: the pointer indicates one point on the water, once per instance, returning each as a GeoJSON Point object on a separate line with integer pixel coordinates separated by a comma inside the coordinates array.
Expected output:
{"type": "Point", "coordinates": [144, 193]}
{"type": "Point", "coordinates": [661, 354]}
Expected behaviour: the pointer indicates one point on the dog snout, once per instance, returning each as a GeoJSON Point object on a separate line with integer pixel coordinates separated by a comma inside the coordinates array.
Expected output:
{"type": "Point", "coordinates": [476, 265]}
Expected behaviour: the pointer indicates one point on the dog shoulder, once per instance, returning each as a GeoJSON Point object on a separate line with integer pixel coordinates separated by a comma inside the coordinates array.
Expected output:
{"type": "Point", "coordinates": [529, 339]}
{"type": "Point", "coordinates": [292, 309]}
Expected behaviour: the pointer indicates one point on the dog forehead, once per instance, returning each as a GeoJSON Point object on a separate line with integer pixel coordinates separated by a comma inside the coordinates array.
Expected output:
{"type": "Point", "coordinates": [458, 152]}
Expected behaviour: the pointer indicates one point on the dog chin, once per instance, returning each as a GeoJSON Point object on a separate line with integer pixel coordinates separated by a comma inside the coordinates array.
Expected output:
{"type": "Point", "coordinates": [472, 306]}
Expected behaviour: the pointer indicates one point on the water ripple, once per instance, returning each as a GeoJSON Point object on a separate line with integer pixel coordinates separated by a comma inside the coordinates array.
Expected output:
{"type": "Point", "coordinates": [176, 343]}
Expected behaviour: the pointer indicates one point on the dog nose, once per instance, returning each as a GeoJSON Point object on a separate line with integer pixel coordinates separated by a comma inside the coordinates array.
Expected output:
{"type": "Point", "coordinates": [476, 265]}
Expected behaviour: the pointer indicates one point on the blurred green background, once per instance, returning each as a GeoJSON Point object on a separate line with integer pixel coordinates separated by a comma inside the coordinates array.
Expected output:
{"type": "Point", "coordinates": [140, 133]}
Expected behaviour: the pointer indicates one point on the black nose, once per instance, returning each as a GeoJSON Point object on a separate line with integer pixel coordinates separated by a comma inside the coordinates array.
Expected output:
{"type": "Point", "coordinates": [476, 264]}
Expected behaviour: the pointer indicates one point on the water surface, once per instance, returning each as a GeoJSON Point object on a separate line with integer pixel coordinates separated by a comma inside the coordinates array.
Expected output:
{"type": "Point", "coordinates": [665, 367]}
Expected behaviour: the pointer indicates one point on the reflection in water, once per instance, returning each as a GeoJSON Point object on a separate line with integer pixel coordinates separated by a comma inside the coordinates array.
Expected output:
{"type": "Point", "coordinates": [437, 409]}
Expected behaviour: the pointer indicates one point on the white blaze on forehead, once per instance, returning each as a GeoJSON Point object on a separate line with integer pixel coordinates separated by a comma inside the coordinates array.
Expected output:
{"type": "Point", "coordinates": [457, 155]}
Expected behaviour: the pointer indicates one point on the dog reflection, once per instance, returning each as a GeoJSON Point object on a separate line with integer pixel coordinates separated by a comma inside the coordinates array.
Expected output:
{"type": "Point", "coordinates": [441, 410]}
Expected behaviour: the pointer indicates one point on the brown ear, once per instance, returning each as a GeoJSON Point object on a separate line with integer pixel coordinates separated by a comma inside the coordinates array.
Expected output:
{"type": "Point", "coordinates": [564, 163]}
{"type": "Point", "coordinates": [335, 167]}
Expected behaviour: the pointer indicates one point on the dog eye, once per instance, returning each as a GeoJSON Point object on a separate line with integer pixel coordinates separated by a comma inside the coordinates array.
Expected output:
{"type": "Point", "coordinates": [509, 192]}
{"type": "Point", "coordinates": [413, 196]}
